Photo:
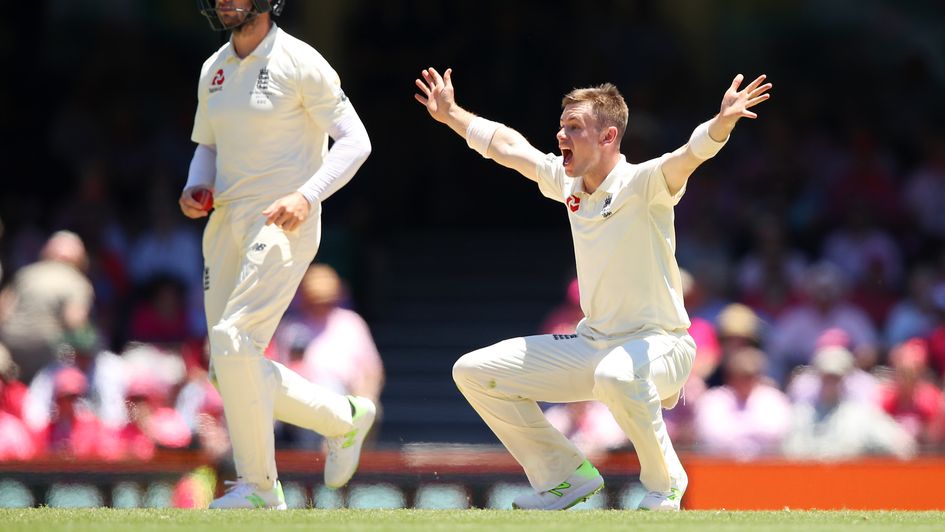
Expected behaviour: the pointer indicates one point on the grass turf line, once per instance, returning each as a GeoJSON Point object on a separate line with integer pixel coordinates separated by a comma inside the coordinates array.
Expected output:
{"type": "Point", "coordinates": [109, 520]}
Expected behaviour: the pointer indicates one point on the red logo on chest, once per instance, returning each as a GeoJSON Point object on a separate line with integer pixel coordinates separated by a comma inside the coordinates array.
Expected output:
{"type": "Point", "coordinates": [574, 203]}
{"type": "Point", "coordinates": [218, 79]}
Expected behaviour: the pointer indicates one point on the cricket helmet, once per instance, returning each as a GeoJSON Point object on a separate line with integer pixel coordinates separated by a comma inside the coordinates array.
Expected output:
{"type": "Point", "coordinates": [208, 9]}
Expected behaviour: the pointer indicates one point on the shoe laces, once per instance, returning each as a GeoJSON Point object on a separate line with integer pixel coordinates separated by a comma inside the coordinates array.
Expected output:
{"type": "Point", "coordinates": [336, 444]}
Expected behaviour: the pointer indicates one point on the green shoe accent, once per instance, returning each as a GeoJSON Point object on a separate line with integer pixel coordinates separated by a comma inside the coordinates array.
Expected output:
{"type": "Point", "coordinates": [356, 408]}
{"type": "Point", "coordinates": [349, 439]}
{"type": "Point", "coordinates": [674, 494]}
{"type": "Point", "coordinates": [587, 470]}
{"type": "Point", "coordinates": [279, 493]}
{"type": "Point", "coordinates": [586, 497]}
{"type": "Point", "coordinates": [358, 411]}
{"type": "Point", "coordinates": [557, 490]}
{"type": "Point", "coordinates": [257, 501]}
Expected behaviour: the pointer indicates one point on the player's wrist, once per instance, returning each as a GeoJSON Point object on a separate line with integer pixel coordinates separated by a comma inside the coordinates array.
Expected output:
{"type": "Point", "coordinates": [479, 134]}
{"type": "Point", "coordinates": [702, 143]}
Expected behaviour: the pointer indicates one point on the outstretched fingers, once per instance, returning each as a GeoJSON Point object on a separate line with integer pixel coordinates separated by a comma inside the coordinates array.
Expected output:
{"type": "Point", "coordinates": [758, 91]}
{"type": "Point", "coordinates": [737, 82]}
{"type": "Point", "coordinates": [436, 76]}
{"type": "Point", "coordinates": [754, 84]}
{"type": "Point", "coordinates": [423, 87]}
{"type": "Point", "coordinates": [758, 99]}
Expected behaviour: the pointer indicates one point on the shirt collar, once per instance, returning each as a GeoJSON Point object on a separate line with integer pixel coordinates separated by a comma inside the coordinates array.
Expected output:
{"type": "Point", "coordinates": [605, 184]}
{"type": "Point", "coordinates": [265, 48]}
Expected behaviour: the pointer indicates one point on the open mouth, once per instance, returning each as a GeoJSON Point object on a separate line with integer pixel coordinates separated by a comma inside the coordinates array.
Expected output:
{"type": "Point", "coordinates": [567, 155]}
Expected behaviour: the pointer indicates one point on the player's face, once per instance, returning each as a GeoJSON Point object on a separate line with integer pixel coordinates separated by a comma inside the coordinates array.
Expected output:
{"type": "Point", "coordinates": [579, 139]}
{"type": "Point", "coordinates": [233, 12]}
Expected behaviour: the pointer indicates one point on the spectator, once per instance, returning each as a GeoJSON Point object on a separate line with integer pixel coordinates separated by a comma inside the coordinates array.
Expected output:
{"type": "Point", "coordinates": [737, 326]}
{"type": "Point", "coordinates": [792, 339]}
{"type": "Point", "coordinates": [341, 354]}
{"type": "Point", "coordinates": [104, 372]}
{"type": "Point", "coordinates": [839, 428]}
{"type": "Point", "coordinates": [937, 335]}
{"type": "Point", "coordinates": [564, 318]}
{"type": "Point", "coordinates": [16, 442]}
{"type": "Point", "coordinates": [73, 430]}
{"type": "Point", "coordinates": [151, 422]}
{"type": "Point", "coordinates": [708, 351]}
{"type": "Point", "coordinates": [746, 417]}
{"type": "Point", "coordinates": [915, 314]}
{"type": "Point", "coordinates": [162, 316]}
{"type": "Point", "coordinates": [860, 247]}
{"type": "Point", "coordinates": [46, 300]}
{"type": "Point", "coordinates": [925, 189]}
{"type": "Point", "coordinates": [12, 391]}
{"type": "Point", "coordinates": [857, 384]}
{"type": "Point", "coordinates": [909, 397]}
{"type": "Point", "coordinates": [769, 276]}
{"type": "Point", "coordinates": [589, 424]}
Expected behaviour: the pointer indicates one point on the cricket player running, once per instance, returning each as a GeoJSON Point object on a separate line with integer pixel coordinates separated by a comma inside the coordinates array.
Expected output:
{"type": "Point", "coordinates": [632, 350]}
{"type": "Point", "coordinates": [267, 103]}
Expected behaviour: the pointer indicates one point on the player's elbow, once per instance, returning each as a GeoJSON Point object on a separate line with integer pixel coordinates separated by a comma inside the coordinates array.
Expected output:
{"type": "Point", "coordinates": [365, 148]}
{"type": "Point", "coordinates": [360, 146]}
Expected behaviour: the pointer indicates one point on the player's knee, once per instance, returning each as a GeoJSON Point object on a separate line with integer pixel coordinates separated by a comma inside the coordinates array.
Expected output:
{"type": "Point", "coordinates": [463, 370]}
{"type": "Point", "coordinates": [611, 380]}
{"type": "Point", "coordinates": [222, 341]}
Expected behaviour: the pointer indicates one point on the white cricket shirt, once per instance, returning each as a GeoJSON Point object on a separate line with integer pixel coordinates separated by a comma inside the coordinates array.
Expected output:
{"type": "Point", "coordinates": [624, 245]}
{"type": "Point", "coordinates": [268, 115]}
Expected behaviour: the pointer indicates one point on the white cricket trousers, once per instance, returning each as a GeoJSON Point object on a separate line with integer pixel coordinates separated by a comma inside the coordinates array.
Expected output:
{"type": "Point", "coordinates": [251, 273]}
{"type": "Point", "coordinates": [503, 382]}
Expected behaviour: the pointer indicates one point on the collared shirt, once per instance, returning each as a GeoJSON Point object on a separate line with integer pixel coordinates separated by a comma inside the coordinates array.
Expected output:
{"type": "Point", "coordinates": [624, 245]}
{"type": "Point", "coordinates": [268, 115]}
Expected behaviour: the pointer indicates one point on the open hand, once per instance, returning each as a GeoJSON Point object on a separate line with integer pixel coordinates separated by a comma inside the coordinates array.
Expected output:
{"type": "Point", "coordinates": [436, 93]}
{"type": "Point", "coordinates": [736, 103]}
{"type": "Point", "coordinates": [288, 212]}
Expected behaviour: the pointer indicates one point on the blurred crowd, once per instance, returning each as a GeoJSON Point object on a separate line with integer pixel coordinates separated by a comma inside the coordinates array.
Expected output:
{"type": "Point", "coordinates": [817, 379]}
{"type": "Point", "coordinates": [64, 393]}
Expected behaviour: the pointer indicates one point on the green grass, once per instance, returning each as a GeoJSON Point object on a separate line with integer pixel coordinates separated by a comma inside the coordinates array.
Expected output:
{"type": "Point", "coordinates": [107, 520]}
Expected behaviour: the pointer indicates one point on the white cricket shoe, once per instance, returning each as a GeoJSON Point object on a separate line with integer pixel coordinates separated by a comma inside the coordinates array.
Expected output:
{"type": "Point", "coordinates": [665, 501]}
{"type": "Point", "coordinates": [246, 495]}
{"type": "Point", "coordinates": [580, 486]}
{"type": "Point", "coordinates": [344, 451]}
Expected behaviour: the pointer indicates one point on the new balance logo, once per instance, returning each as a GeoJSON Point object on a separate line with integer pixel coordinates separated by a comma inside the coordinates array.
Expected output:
{"type": "Point", "coordinates": [557, 490]}
{"type": "Point", "coordinates": [564, 336]}
{"type": "Point", "coordinates": [258, 247]}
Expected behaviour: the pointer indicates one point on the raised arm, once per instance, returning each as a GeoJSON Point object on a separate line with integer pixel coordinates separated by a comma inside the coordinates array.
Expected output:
{"type": "Point", "coordinates": [492, 140]}
{"type": "Point", "coordinates": [709, 137]}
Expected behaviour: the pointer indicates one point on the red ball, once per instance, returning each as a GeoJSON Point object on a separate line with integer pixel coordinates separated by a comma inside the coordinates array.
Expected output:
{"type": "Point", "coordinates": [204, 197]}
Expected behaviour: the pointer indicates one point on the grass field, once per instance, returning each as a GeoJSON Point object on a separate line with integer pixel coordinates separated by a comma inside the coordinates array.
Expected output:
{"type": "Point", "coordinates": [108, 520]}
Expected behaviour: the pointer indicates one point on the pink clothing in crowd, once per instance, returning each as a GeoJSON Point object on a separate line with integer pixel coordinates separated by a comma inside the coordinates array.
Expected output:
{"type": "Point", "coordinates": [588, 424]}
{"type": "Point", "coordinates": [341, 353]}
{"type": "Point", "coordinates": [16, 442]}
{"type": "Point", "coordinates": [743, 431]}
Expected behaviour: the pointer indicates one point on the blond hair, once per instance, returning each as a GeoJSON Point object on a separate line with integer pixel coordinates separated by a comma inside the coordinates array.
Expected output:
{"type": "Point", "coordinates": [607, 103]}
